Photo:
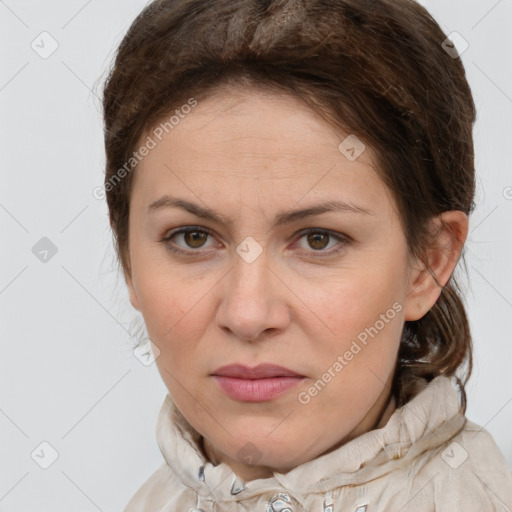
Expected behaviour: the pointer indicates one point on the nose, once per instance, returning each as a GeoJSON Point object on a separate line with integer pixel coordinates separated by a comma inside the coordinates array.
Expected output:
{"type": "Point", "coordinates": [253, 303]}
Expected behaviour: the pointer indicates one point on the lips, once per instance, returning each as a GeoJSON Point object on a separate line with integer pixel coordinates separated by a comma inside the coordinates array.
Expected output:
{"type": "Point", "coordinates": [259, 384]}
{"type": "Point", "coordinates": [262, 371]}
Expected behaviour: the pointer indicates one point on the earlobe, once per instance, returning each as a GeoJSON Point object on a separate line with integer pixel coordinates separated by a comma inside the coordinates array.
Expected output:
{"type": "Point", "coordinates": [427, 282]}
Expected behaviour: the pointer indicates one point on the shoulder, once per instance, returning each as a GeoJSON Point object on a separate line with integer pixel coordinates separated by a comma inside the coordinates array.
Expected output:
{"type": "Point", "coordinates": [469, 471]}
{"type": "Point", "coordinates": [156, 492]}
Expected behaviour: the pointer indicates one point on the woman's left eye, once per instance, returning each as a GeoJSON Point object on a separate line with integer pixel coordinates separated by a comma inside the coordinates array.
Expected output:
{"type": "Point", "coordinates": [319, 239]}
{"type": "Point", "coordinates": [195, 238]}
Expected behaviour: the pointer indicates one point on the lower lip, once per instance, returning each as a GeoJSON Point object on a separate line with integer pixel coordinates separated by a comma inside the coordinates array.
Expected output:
{"type": "Point", "coordinates": [256, 390]}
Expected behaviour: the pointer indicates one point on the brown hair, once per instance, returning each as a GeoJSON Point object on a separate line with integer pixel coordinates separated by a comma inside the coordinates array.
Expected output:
{"type": "Point", "coordinates": [375, 68]}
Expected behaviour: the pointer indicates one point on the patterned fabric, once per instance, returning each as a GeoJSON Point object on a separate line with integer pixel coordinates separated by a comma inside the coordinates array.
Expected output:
{"type": "Point", "coordinates": [426, 457]}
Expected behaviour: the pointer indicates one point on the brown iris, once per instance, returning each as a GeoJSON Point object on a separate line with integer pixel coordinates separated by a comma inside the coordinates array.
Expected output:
{"type": "Point", "coordinates": [195, 239]}
{"type": "Point", "coordinates": [315, 240]}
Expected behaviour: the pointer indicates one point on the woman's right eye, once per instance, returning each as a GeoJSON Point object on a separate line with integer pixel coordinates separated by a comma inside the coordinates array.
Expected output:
{"type": "Point", "coordinates": [193, 238]}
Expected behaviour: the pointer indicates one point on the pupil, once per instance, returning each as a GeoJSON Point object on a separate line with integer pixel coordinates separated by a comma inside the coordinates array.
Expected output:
{"type": "Point", "coordinates": [195, 238]}
{"type": "Point", "coordinates": [313, 239]}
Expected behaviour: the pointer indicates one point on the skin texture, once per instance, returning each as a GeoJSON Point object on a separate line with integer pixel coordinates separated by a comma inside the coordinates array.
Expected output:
{"type": "Point", "coordinates": [250, 155]}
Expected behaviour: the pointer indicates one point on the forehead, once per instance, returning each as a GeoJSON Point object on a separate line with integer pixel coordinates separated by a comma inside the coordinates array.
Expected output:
{"type": "Point", "coordinates": [254, 142]}
{"type": "Point", "coordinates": [255, 124]}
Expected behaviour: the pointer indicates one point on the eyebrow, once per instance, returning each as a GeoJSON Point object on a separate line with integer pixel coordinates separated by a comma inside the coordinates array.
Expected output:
{"type": "Point", "coordinates": [286, 217]}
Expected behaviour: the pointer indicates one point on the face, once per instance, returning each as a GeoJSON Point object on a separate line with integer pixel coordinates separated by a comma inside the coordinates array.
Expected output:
{"type": "Point", "coordinates": [249, 261]}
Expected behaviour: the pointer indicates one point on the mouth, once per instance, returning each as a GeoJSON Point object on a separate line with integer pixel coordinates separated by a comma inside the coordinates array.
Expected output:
{"type": "Point", "coordinates": [260, 384]}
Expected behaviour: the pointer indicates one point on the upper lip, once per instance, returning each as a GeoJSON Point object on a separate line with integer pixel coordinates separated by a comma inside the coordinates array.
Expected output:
{"type": "Point", "coordinates": [262, 371]}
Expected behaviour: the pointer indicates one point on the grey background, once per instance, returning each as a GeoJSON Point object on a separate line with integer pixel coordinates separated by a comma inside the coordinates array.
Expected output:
{"type": "Point", "coordinates": [68, 373]}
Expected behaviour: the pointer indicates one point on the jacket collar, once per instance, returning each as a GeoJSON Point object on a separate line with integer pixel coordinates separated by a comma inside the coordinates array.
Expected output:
{"type": "Point", "coordinates": [432, 417]}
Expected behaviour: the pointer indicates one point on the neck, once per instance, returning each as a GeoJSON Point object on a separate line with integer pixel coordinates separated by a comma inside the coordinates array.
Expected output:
{"type": "Point", "coordinates": [243, 471]}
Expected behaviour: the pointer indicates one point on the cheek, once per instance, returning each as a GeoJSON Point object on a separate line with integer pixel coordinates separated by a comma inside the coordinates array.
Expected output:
{"type": "Point", "coordinates": [356, 363]}
{"type": "Point", "coordinates": [177, 308]}
{"type": "Point", "coordinates": [365, 320]}
{"type": "Point", "coordinates": [169, 302]}
{"type": "Point", "coordinates": [350, 305]}
{"type": "Point", "coordinates": [175, 319]}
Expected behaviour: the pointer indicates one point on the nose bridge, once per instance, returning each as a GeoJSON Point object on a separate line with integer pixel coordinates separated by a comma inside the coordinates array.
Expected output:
{"type": "Point", "coordinates": [250, 303]}
{"type": "Point", "coordinates": [251, 275]}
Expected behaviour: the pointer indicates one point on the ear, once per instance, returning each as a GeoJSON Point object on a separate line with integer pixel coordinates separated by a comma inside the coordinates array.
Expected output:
{"type": "Point", "coordinates": [131, 290]}
{"type": "Point", "coordinates": [442, 257]}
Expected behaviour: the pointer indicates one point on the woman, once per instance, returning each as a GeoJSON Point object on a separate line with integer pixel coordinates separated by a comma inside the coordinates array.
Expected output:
{"type": "Point", "coordinates": [289, 185]}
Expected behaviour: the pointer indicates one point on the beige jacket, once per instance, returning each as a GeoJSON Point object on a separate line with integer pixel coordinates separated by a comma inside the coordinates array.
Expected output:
{"type": "Point", "coordinates": [427, 457]}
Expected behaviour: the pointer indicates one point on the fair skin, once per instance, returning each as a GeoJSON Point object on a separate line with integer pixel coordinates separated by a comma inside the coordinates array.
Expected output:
{"type": "Point", "coordinates": [249, 156]}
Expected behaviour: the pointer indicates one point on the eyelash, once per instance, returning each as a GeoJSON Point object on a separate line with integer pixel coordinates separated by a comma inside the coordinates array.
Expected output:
{"type": "Point", "coordinates": [316, 254]}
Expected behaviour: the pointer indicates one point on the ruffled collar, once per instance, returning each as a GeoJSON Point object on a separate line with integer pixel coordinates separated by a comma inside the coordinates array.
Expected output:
{"type": "Point", "coordinates": [432, 417]}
